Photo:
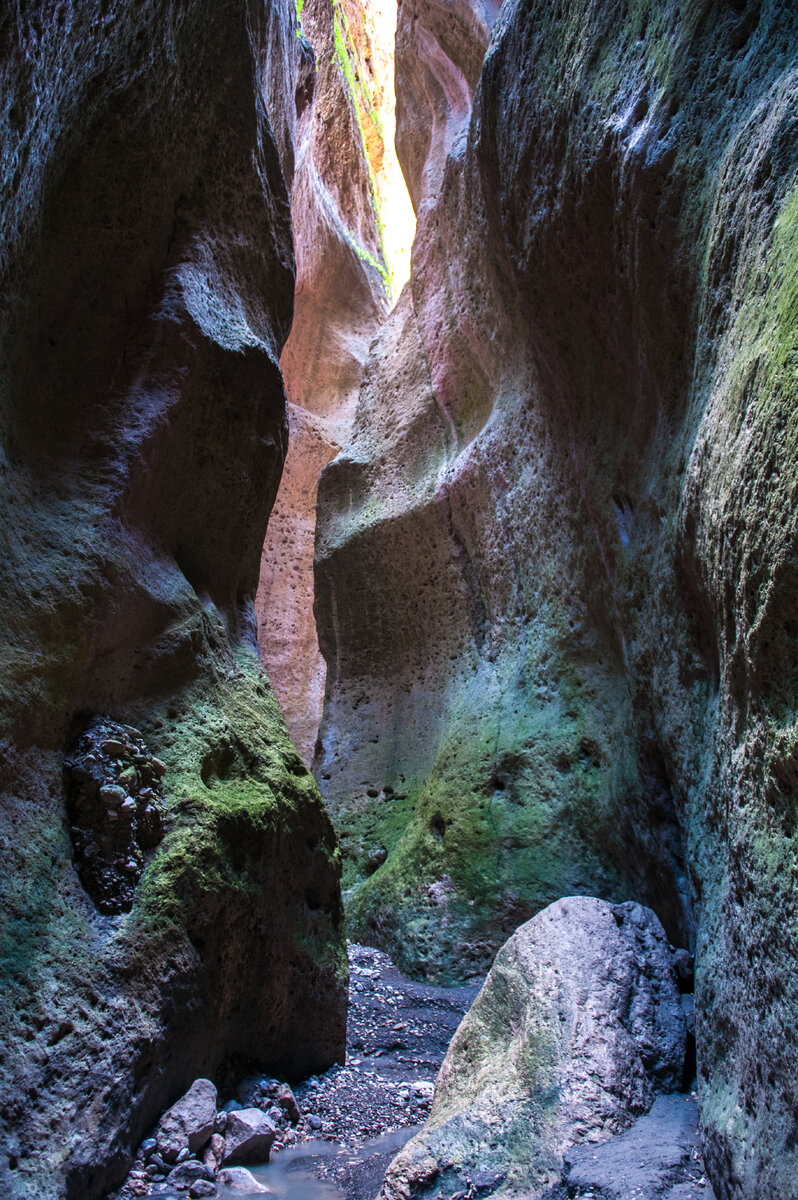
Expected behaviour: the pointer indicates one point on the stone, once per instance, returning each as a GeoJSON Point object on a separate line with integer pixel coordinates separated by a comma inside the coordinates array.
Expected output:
{"type": "Point", "coordinates": [643, 1161]}
{"type": "Point", "coordinates": [287, 1101]}
{"type": "Point", "coordinates": [214, 1152]}
{"type": "Point", "coordinates": [220, 1122]}
{"type": "Point", "coordinates": [238, 1179]}
{"type": "Point", "coordinates": [202, 1187]}
{"type": "Point", "coordinates": [189, 1123]}
{"type": "Point", "coordinates": [577, 1028]}
{"type": "Point", "coordinates": [185, 1173]}
{"type": "Point", "coordinates": [248, 1137]}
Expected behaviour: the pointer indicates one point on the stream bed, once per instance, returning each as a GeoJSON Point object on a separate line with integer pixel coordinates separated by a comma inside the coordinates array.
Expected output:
{"type": "Point", "coordinates": [307, 1171]}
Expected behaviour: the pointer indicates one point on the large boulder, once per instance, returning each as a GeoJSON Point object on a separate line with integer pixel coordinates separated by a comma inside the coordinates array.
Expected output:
{"type": "Point", "coordinates": [576, 1029]}
{"type": "Point", "coordinates": [173, 903]}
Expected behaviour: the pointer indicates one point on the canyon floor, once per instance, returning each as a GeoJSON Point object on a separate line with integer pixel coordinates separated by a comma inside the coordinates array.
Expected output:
{"type": "Point", "coordinates": [398, 1034]}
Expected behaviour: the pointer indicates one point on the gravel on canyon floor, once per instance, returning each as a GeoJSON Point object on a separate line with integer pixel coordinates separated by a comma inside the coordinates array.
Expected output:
{"type": "Point", "coordinates": [333, 1135]}
{"type": "Point", "coordinates": [397, 1035]}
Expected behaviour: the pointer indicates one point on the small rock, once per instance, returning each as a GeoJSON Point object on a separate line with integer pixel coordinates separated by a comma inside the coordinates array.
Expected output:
{"type": "Point", "coordinates": [183, 1155]}
{"type": "Point", "coordinates": [248, 1137]}
{"type": "Point", "coordinates": [186, 1173]}
{"type": "Point", "coordinates": [202, 1187]}
{"type": "Point", "coordinates": [113, 795]}
{"type": "Point", "coordinates": [214, 1152]}
{"type": "Point", "coordinates": [313, 1121]}
{"type": "Point", "coordinates": [238, 1179]}
{"type": "Point", "coordinates": [148, 1147]}
{"type": "Point", "coordinates": [220, 1123]}
{"type": "Point", "coordinates": [287, 1101]}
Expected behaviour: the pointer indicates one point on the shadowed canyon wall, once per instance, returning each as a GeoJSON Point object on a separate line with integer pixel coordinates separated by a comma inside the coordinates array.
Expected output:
{"type": "Point", "coordinates": [555, 578]}
{"type": "Point", "coordinates": [147, 284]}
{"type": "Point", "coordinates": [346, 182]}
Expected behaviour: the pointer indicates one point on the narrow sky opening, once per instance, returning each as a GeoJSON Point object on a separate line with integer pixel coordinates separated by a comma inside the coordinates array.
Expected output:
{"type": "Point", "coordinates": [396, 211]}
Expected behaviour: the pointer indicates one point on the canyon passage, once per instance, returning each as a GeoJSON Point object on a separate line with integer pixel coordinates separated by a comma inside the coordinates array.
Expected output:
{"type": "Point", "coordinates": [399, 544]}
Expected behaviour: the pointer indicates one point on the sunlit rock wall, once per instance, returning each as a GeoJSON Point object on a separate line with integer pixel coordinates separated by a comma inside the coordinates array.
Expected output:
{"type": "Point", "coordinates": [147, 283]}
{"type": "Point", "coordinates": [569, 639]}
{"type": "Point", "coordinates": [351, 214]}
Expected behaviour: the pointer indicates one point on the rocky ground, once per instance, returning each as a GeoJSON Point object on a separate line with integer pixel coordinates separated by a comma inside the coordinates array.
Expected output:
{"type": "Point", "coordinates": [398, 1034]}
{"type": "Point", "coordinates": [335, 1134]}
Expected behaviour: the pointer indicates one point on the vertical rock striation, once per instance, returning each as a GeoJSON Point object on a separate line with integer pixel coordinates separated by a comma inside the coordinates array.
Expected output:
{"type": "Point", "coordinates": [555, 578]}
{"type": "Point", "coordinates": [342, 186]}
{"type": "Point", "coordinates": [147, 282]}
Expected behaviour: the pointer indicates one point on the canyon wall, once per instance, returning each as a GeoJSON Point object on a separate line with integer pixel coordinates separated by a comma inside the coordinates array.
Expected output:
{"type": "Point", "coordinates": [169, 883]}
{"type": "Point", "coordinates": [344, 186]}
{"type": "Point", "coordinates": [556, 564]}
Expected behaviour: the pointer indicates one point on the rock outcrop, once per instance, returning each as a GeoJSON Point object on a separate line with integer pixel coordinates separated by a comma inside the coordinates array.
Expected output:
{"type": "Point", "coordinates": [344, 187]}
{"type": "Point", "coordinates": [556, 568]}
{"type": "Point", "coordinates": [576, 1028]}
{"type": "Point", "coordinates": [146, 290]}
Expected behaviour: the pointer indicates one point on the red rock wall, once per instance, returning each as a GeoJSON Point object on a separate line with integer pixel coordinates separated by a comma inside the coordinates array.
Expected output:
{"type": "Point", "coordinates": [342, 296]}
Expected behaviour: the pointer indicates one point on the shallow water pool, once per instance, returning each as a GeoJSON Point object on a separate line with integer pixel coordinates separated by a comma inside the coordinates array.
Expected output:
{"type": "Point", "coordinates": [292, 1174]}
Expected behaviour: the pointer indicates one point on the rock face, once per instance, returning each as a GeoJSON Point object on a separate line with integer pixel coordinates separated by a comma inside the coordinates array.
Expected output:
{"type": "Point", "coordinates": [577, 1026]}
{"type": "Point", "coordinates": [556, 580]}
{"type": "Point", "coordinates": [342, 186]}
{"type": "Point", "coordinates": [146, 281]}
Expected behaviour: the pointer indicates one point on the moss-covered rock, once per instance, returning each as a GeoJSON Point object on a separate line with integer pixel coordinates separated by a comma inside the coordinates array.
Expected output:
{"type": "Point", "coordinates": [146, 274]}
{"type": "Point", "coordinates": [576, 1028]}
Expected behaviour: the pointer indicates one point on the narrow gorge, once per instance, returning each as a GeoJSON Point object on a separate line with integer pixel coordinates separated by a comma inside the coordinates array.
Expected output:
{"type": "Point", "coordinates": [398, 410]}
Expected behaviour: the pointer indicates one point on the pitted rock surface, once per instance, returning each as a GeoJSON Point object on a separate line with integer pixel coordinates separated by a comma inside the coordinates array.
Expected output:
{"type": "Point", "coordinates": [577, 1027]}
{"type": "Point", "coordinates": [115, 805]}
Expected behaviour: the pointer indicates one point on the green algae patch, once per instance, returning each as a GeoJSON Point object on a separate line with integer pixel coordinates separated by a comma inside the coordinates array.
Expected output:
{"type": "Point", "coordinates": [517, 811]}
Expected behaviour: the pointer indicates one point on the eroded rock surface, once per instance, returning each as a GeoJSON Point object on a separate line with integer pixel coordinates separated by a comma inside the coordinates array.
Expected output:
{"type": "Point", "coordinates": [576, 1029]}
{"type": "Point", "coordinates": [115, 808]}
{"type": "Point", "coordinates": [341, 190]}
{"type": "Point", "coordinates": [146, 283]}
{"type": "Point", "coordinates": [568, 638]}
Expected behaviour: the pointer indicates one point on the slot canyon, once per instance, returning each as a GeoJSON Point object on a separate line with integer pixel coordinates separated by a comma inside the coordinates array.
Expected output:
{"type": "Point", "coordinates": [399, 604]}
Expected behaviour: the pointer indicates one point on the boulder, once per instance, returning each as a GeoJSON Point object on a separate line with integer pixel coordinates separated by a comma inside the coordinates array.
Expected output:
{"type": "Point", "coordinates": [238, 1179]}
{"type": "Point", "coordinates": [248, 1136]}
{"type": "Point", "coordinates": [576, 1029]}
{"type": "Point", "coordinates": [202, 1188]}
{"type": "Point", "coordinates": [189, 1123]}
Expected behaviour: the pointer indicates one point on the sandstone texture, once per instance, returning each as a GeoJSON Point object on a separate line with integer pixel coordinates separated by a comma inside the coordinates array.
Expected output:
{"type": "Point", "coordinates": [577, 1026]}
{"type": "Point", "coordinates": [146, 282]}
{"type": "Point", "coordinates": [342, 187]}
{"type": "Point", "coordinates": [556, 563]}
